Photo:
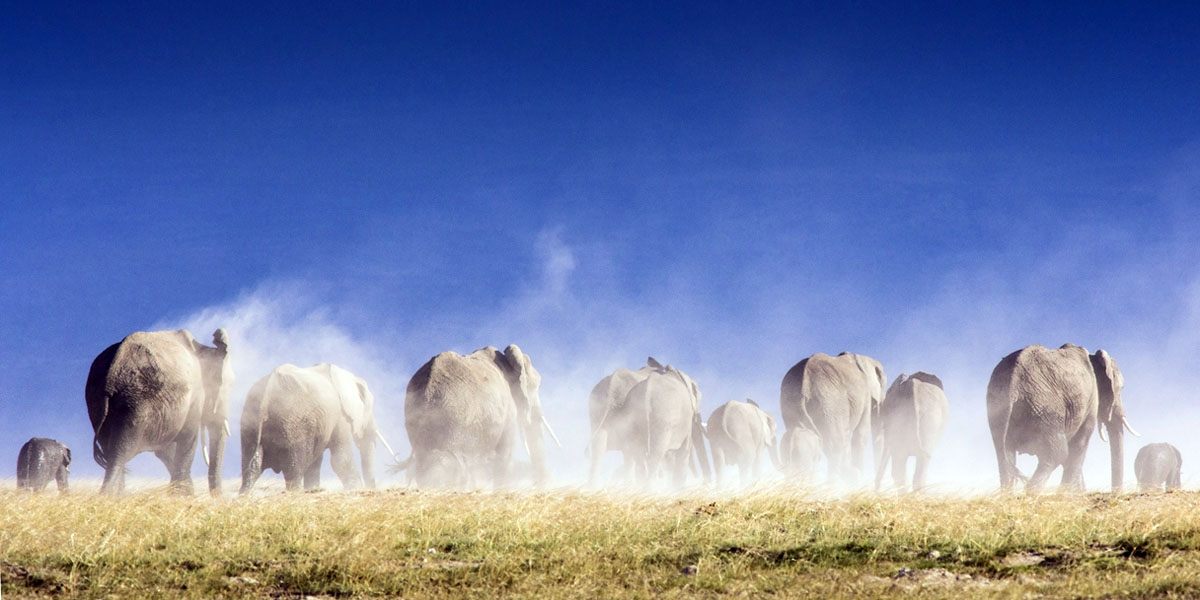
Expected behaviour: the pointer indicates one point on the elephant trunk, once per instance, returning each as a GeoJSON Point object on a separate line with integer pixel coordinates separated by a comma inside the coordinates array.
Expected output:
{"type": "Point", "coordinates": [1116, 446]}
{"type": "Point", "coordinates": [216, 455]}
{"type": "Point", "coordinates": [536, 444]}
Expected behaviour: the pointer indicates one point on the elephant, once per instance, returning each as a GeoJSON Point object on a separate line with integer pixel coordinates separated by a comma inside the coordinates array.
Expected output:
{"type": "Point", "coordinates": [294, 414]}
{"type": "Point", "coordinates": [159, 391]}
{"type": "Point", "coordinates": [801, 452]}
{"type": "Point", "coordinates": [836, 397]}
{"type": "Point", "coordinates": [1046, 403]}
{"type": "Point", "coordinates": [461, 412]}
{"type": "Point", "coordinates": [667, 427]}
{"type": "Point", "coordinates": [39, 461]}
{"type": "Point", "coordinates": [913, 417]}
{"type": "Point", "coordinates": [738, 433]}
{"type": "Point", "coordinates": [612, 421]}
{"type": "Point", "coordinates": [1157, 466]}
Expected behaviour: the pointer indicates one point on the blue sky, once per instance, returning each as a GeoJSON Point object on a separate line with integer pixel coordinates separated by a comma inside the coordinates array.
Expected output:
{"type": "Point", "coordinates": [729, 189]}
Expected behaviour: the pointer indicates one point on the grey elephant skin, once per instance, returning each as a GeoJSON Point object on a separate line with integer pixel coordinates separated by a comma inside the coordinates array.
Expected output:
{"type": "Point", "coordinates": [1158, 466]}
{"type": "Point", "coordinates": [39, 461]}
{"type": "Point", "coordinates": [465, 414]}
{"type": "Point", "coordinates": [1047, 403]}
{"type": "Point", "coordinates": [835, 397]}
{"type": "Point", "coordinates": [668, 428]}
{"type": "Point", "coordinates": [293, 415]}
{"type": "Point", "coordinates": [157, 391]}
{"type": "Point", "coordinates": [739, 433]}
{"type": "Point", "coordinates": [913, 418]}
{"type": "Point", "coordinates": [614, 425]}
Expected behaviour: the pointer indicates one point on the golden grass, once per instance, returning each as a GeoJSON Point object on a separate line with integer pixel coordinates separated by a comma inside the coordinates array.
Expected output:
{"type": "Point", "coordinates": [410, 543]}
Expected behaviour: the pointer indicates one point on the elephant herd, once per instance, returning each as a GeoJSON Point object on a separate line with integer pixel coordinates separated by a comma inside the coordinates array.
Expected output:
{"type": "Point", "coordinates": [465, 416]}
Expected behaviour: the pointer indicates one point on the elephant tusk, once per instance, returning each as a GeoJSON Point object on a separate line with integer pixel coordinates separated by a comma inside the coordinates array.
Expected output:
{"type": "Point", "coordinates": [226, 426]}
{"type": "Point", "coordinates": [1125, 422]}
{"type": "Point", "coordinates": [395, 457]}
{"type": "Point", "coordinates": [546, 424]}
{"type": "Point", "coordinates": [203, 446]}
{"type": "Point", "coordinates": [1100, 430]}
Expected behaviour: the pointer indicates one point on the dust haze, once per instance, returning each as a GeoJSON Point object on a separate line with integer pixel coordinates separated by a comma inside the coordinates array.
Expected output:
{"type": "Point", "coordinates": [578, 325]}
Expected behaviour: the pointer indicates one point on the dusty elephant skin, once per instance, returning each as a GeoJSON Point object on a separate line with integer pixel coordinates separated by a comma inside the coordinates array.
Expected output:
{"type": "Point", "coordinates": [800, 451]}
{"type": "Point", "coordinates": [39, 461]}
{"type": "Point", "coordinates": [668, 430]}
{"type": "Point", "coordinates": [651, 416]}
{"type": "Point", "coordinates": [835, 397]}
{"type": "Point", "coordinates": [1158, 466]}
{"type": "Point", "coordinates": [464, 414]}
{"type": "Point", "coordinates": [739, 433]}
{"type": "Point", "coordinates": [913, 417]}
{"type": "Point", "coordinates": [613, 422]}
{"type": "Point", "coordinates": [1046, 403]}
{"type": "Point", "coordinates": [157, 391]}
{"type": "Point", "coordinates": [293, 415]}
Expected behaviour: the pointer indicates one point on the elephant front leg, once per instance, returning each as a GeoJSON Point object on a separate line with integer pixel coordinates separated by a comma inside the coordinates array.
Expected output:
{"type": "Point", "coordinates": [216, 456]}
{"type": "Point", "coordinates": [718, 454]}
{"type": "Point", "coordinates": [180, 464]}
{"type": "Point", "coordinates": [341, 457]}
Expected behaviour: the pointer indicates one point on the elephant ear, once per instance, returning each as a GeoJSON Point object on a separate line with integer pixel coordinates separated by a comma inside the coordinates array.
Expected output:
{"type": "Point", "coordinates": [895, 387]}
{"type": "Point", "coordinates": [354, 407]}
{"type": "Point", "coordinates": [1110, 381]}
{"type": "Point", "coordinates": [654, 364]}
{"type": "Point", "coordinates": [67, 456]}
{"type": "Point", "coordinates": [521, 372]}
{"type": "Point", "coordinates": [752, 403]}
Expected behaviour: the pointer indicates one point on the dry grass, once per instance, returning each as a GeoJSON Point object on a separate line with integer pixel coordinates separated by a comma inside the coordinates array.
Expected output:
{"type": "Point", "coordinates": [425, 544]}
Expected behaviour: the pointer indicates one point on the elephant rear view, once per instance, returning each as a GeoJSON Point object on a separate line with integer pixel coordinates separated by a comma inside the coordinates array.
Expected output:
{"type": "Point", "coordinates": [293, 415]}
{"type": "Point", "coordinates": [1158, 466]}
{"type": "Point", "coordinates": [667, 409]}
{"type": "Point", "coordinates": [1046, 403]}
{"type": "Point", "coordinates": [912, 418]}
{"type": "Point", "coordinates": [739, 433]}
{"type": "Point", "coordinates": [835, 397]}
{"type": "Point", "coordinates": [470, 411]}
{"type": "Point", "coordinates": [614, 423]}
{"type": "Point", "coordinates": [39, 461]}
{"type": "Point", "coordinates": [157, 391]}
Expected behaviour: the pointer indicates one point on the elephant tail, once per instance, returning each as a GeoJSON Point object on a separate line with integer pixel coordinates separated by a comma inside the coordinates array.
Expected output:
{"type": "Point", "coordinates": [97, 449]}
{"type": "Point", "coordinates": [400, 465]}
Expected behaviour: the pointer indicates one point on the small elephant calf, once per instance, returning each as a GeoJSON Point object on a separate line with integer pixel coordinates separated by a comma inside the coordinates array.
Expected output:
{"type": "Point", "coordinates": [1156, 466]}
{"type": "Point", "coordinates": [40, 460]}
{"type": "Point", "coordinates": [801, 449]}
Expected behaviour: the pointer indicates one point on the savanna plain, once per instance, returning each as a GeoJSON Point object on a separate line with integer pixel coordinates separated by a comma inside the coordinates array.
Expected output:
{"type": "Point", "coordinates": [772, 541]}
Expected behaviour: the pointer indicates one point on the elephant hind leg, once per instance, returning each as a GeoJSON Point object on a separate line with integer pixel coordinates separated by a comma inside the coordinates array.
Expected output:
{"type": "Point", "coordinates": [312, 473]}
{"type": "Point", "coordinates": [1052, 455]}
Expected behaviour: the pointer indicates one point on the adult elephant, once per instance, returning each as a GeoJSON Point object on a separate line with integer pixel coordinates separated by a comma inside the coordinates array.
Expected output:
{"type": "Point", "coordinates": [668, 426]}
{"type": "Point", "coordinates": [836, 398]}
{"type": "Point", "coordinates": [156, 391]}
{"type": "Point", "coordinates": [913, 417]}
{"type": "Point", "coordinates": [613, 423]}
{"type": "Point", "coordinates": [739, 433]}
{"type": "Point", "coordinates": [39, 461]}
{"type": "Point", "coordinates": [1158, 466]}
{"type": "Point", "coordinates": [293, 415]}
{"type": "Point", "coordinates": [1046, 403]}
{"type": "Point", "coordinates": [465, 413]}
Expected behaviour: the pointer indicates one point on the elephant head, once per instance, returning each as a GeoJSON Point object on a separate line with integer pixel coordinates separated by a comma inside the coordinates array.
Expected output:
{"type": "Point", "coordinates": [524, 382]}
{"type": "Point", "coordinates": [1111, 414]}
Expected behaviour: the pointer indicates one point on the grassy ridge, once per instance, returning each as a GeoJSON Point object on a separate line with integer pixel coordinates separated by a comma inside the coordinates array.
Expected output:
{"type": "Point", "coordinates": [427, 544]}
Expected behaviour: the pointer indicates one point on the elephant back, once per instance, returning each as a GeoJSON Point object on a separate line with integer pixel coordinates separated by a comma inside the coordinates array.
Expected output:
{"type": "Point", "coordinates": [456, 401]}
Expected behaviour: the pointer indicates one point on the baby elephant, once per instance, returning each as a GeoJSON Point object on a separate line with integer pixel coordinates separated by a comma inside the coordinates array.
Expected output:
{"type": "Point", "coordinates": [801, 451]}
{"type": "Point", "coordinates": [1157, 465]}
{"type": "Point", "coordinates": [912, 418]}
{"type": "Point", "coordinates": [739, 432]}
{"type": "Point", "coordinates": [40, 460]}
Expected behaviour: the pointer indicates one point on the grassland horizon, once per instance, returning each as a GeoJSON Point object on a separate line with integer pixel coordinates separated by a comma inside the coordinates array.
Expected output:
{"type": "Point", "coordinates": [567, 543]}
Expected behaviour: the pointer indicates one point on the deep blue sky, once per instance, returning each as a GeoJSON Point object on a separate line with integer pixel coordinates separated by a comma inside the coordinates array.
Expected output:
{"type": "Point", "coordinates": [731, 188]}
